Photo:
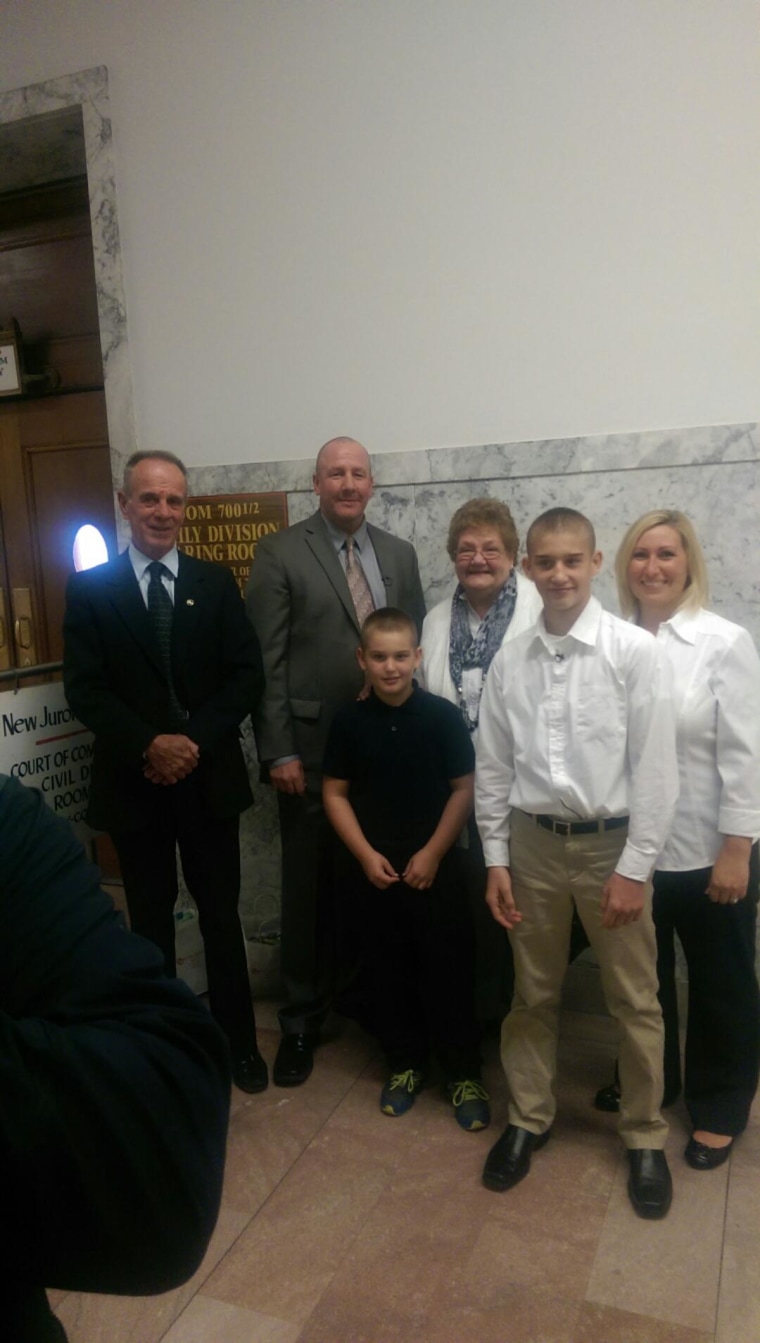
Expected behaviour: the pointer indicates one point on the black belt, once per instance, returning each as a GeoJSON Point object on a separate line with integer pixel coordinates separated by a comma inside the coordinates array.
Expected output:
{"type": "Point", "coordinates": [565, 828]}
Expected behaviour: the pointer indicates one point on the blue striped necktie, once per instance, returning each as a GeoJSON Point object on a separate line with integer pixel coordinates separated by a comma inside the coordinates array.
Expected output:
{"type": "Point", "coordinates": [161, 612]}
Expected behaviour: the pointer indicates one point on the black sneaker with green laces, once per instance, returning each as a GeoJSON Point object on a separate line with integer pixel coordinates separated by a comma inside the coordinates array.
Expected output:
{"type": "Point", "coordinates": [470, 1101]}
{"type": "Point", "coordinates": [400, 1092]}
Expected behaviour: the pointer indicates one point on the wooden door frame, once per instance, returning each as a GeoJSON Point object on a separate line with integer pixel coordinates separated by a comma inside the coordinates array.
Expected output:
{"type": "Point", "coordinates": [88, 90]}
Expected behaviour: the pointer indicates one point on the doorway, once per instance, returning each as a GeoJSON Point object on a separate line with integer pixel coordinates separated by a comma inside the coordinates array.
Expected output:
{"type": "Point", "coordinates": [55, 470]}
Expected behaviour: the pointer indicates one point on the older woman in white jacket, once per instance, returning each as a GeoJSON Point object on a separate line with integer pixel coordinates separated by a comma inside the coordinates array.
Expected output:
{"type": "Point", "coordinates": [492, 603]}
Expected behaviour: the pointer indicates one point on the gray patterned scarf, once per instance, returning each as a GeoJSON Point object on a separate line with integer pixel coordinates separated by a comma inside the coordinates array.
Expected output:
{"type": "Point", "coordinates": [477, 650]}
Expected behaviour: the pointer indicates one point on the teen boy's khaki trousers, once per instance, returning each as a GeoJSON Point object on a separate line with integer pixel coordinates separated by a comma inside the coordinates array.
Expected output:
{"type": "Point", "coordinates": [549, 872]}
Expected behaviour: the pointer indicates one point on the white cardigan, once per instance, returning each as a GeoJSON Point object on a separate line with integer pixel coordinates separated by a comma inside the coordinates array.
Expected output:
{"type": "Point", "coordinates": [434, 672]}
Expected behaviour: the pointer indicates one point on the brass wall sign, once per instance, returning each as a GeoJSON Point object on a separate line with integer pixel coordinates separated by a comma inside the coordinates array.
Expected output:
{"type": "Point", "coordinates": [226, 528]}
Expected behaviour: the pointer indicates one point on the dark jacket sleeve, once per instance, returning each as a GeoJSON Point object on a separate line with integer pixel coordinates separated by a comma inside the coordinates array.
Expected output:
{"type": "Point", "coordinates": [114, 1079]}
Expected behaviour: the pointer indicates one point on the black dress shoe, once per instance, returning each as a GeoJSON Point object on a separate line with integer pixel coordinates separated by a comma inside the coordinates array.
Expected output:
{"type": "Point", "coordinates": [508, 1161]}
{"type": "Point", "coordinates": [702, 1157]}
{"type": "Point", "coordinates": [295, 1059]}
{"type": "Point", "coordinates": [250, 1073]}
{"type": "Point", "coordinates": [650, 1187]}
{"type": "Point", "coordinates": [608, 1099]}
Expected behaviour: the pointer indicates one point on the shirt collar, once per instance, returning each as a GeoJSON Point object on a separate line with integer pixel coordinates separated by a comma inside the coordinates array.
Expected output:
{"type": "Point", "coordinates": [584, 631]}
{"type": "Point", "coordinates": [140, 561]}
{"type": "Point", "coordinates": [685, 623]}
{"type": "Point", "coordinates": [410, 705]}
{"type": "Point", "coordinates": [338, 537]}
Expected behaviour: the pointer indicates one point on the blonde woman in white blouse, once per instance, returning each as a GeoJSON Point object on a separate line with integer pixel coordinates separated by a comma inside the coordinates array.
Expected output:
{"type": "Point", "coordinates": [706, 879]}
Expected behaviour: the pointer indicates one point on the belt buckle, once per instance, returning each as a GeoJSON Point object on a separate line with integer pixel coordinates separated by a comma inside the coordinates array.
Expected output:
{"type": "Point", "coordinates": [562, 828]}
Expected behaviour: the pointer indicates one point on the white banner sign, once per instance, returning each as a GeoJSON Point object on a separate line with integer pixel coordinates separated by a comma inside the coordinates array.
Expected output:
{"type": "Point", "coordinates": [43, 745]}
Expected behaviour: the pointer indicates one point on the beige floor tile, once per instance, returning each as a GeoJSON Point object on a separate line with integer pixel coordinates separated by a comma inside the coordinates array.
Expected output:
{"type": "Point", "coordinates": [209, 1321]}
{"type": "Point", "coordinates": [604, 1324]}
{"type": "Point", "coordinates": [739, 1300]}
{"type": "Point", "coordinates": [538, 1238]}
{"type": "Point", "coordinates": [269, 1131]}
{"type": "Point", "coordinates": [286, 1258]}
{"type": "Point", "coordinates": [411, 1252]}
{"type": "Point", "coordinates": [666, 1269]}
{"type": "Point", "coordinates": [135, 1319]}
{"type": "Point", "coordinates": [524, 1317]}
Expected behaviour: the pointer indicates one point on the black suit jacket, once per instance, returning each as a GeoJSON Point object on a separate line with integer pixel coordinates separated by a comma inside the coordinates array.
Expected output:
{"type": "Point", "coordinates": [115, 685]}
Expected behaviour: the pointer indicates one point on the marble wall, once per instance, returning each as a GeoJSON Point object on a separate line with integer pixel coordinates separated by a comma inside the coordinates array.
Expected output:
{"type": "Point", "coordinates": [712, 474]}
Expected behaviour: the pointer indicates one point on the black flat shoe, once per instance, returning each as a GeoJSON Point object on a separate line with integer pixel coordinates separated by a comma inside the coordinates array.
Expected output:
{"type": "Point", "coordinates": [650, 1187]}
{"type": "Point", "coordinates": [295, 1059]}
{"type": "Point", "coordinates": [701, 1157]}
{"type": "Point", "coordinates": [508, 1161]}
{"type": "Point", "coordinates": [250, 1074]}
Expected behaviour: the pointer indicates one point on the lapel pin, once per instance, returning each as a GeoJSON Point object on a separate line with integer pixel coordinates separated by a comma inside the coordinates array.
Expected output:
{"type": "Point", "coordinates": [189, 602]}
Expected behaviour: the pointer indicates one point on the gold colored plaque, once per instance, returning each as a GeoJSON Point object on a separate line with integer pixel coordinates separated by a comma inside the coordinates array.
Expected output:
{"type": "Point", "coordinates": [226, 528]}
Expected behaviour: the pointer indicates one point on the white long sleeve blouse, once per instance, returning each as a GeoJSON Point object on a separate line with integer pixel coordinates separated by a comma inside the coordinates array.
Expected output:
{"type": "Point", "coordinates": [716, 686]}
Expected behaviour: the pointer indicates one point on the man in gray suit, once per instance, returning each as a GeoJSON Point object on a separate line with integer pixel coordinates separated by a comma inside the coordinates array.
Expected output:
{"type": "Point", "coordinates": [309, 589]}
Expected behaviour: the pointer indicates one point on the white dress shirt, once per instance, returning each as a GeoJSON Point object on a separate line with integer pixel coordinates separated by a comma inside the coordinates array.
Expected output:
{"type": "Point", "coordinates": [579, 727]}
{"type": "Point", "coordinates": [716, 674]}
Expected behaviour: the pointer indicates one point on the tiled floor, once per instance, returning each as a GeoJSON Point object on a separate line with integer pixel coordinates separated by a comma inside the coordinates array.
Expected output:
{"type": "Point", "coordinates": [340, 1225]}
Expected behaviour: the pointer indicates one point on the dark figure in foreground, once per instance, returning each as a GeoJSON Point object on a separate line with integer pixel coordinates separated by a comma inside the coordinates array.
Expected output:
{"type": "Point", "coordinates": [114, 1083]}
{"type": "Point", "coordinates": [162, 665]}
{"type": "Point", "coordinates": [398, 790]}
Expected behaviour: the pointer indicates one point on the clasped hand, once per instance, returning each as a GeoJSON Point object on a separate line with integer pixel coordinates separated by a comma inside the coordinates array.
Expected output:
{"type": "Point", "coordinates": [419, 872]}
{"type": "Point", "coordinates": [170, 757]}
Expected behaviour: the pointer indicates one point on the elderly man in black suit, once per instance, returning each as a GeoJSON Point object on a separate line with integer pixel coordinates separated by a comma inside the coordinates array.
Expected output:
{"type": "Point", "coordinates": [310, 588]}
{"type": "Point", "coordinates": [162, 665]}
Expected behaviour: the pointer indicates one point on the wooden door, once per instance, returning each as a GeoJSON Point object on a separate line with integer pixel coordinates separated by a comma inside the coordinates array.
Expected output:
{"type": "Point", "coordinates": [55, 475]}
{"type": "Point", "coordinates": [55, 469]}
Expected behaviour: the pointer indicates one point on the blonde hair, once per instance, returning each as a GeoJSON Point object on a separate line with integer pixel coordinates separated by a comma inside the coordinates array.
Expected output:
{"type": "Point", "coordinates": [697, 590]}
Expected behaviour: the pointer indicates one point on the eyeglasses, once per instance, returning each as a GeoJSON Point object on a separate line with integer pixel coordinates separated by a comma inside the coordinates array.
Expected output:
{"type": "Point", "coordinates": [488, 552]}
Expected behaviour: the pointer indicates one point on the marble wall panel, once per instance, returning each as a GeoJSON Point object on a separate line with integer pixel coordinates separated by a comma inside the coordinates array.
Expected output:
{"type": "Point", "coordinates": [711, 473]}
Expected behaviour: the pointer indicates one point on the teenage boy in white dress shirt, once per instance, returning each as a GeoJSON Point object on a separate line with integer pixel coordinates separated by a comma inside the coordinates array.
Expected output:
{"type": "Point", "coordinates": [576, 785]}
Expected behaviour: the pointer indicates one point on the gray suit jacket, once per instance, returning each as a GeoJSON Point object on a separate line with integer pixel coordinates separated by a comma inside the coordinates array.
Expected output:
{"type": "Point", "coordinates": [301, 609]}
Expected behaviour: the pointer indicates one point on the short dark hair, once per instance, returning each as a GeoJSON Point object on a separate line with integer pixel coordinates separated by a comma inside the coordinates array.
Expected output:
{"type": "Point", "coordinates": [386, 620]}
{"type": "Point", "coordinates": [147, 455]}
{"type": "Point", "coordinates": [559, 520]}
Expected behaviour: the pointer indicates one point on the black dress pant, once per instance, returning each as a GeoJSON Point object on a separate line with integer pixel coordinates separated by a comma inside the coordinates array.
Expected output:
{"type": "Point", "coordinates": [320, 949]}
{"type": "Point", "coordinates": [420, 962]}
{"type": "Point", "coordinates": [210, 853]}
{"type": "Point", "coordinates": [722, 1055]}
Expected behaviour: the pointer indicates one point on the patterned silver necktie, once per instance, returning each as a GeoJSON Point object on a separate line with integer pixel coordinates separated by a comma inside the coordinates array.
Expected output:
{"type": "Point", "coordinates": [361, 595]}
{"type": "Point", "coordinates": [161, 612]}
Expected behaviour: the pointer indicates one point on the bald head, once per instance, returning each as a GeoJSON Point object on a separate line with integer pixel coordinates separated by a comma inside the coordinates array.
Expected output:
{"type": "Point", "coordinates": [343, 482]}
{"type": "Point", "coordinates": [333, 446]}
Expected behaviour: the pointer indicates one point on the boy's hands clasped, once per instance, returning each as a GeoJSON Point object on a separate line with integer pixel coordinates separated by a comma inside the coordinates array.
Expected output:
{"type": "Point", "coordinates": [419, 872]}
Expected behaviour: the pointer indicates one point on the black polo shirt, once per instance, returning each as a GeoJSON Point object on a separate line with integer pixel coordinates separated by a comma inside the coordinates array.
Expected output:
{"type": "Point", "coordinates": [399, 760]}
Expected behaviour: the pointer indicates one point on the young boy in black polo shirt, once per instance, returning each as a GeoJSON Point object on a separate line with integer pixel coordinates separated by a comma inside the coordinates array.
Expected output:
{"type": "Point", "coordinates": [398, 786]}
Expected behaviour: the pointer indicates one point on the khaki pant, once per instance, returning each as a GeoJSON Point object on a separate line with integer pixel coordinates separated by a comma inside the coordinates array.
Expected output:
{"type": "Point", "coordinates": [549, 872]}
